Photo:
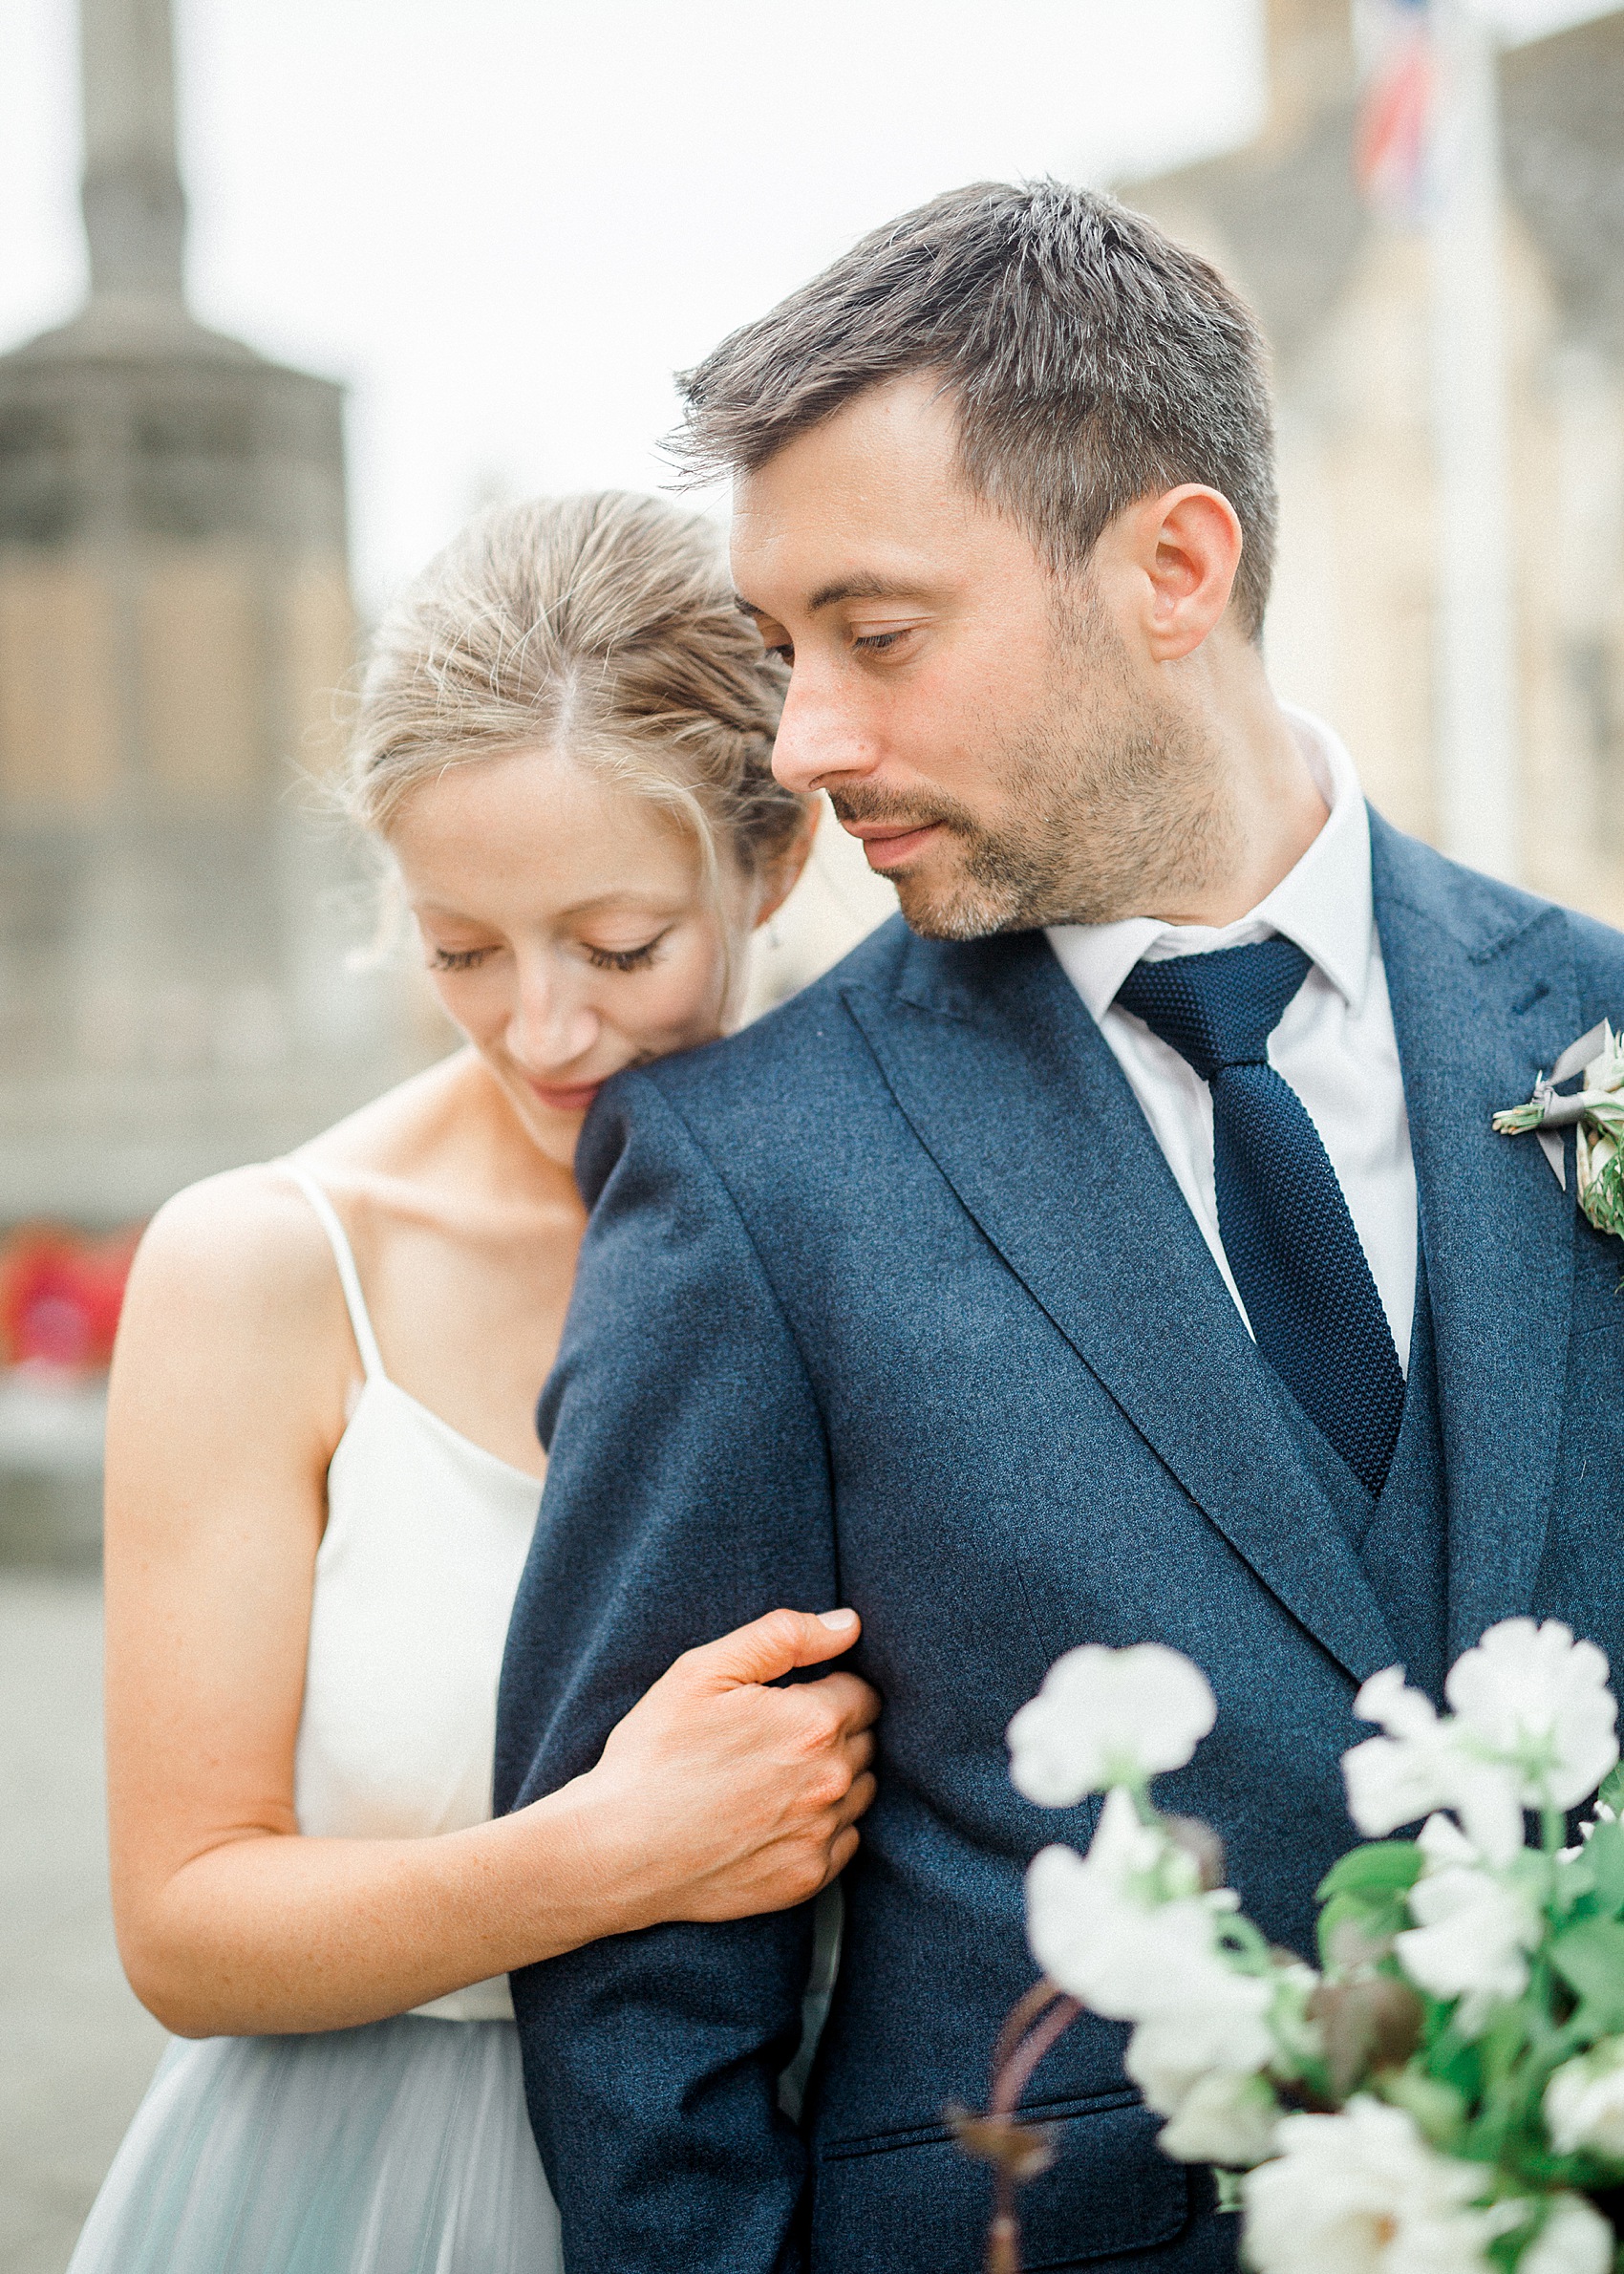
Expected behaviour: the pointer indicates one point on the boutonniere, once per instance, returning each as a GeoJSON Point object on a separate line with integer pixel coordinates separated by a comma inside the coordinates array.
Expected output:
{"type": "Point", "coordinates": [1596, 1113]}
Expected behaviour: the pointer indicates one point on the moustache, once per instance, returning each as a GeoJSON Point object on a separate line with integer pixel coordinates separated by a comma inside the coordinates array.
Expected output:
{"type": "Point", "coordinates": [893, 813]}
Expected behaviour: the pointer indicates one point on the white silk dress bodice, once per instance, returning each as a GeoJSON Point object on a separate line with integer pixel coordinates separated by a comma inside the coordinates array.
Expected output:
{"type": "Point", "coordinates": [426, 1536]}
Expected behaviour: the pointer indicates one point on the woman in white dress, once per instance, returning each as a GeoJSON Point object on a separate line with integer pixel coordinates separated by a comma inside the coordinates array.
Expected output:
{"type": "Point", "coordinates": [323, 1477]}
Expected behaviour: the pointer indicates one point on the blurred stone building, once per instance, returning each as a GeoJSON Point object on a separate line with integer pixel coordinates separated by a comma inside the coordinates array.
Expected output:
{"type": "Point", "coordinates": [1344, 297]}
{"type": "Point", "coordinates": [175, 623]}
{"type": "Point", "coordinates": [175, 617]}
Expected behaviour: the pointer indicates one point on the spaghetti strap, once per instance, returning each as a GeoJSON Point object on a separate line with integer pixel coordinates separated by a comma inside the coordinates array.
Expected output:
{"type": "Point", "coordinates": [349, 1278]}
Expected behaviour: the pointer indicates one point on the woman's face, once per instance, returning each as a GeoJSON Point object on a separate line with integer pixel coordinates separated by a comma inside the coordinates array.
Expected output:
{"type": "Point", "coordinates": [567, 927]}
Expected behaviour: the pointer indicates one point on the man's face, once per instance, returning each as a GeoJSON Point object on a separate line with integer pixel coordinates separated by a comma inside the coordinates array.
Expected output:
{"type": "Point", "coordinates": [996, 736]}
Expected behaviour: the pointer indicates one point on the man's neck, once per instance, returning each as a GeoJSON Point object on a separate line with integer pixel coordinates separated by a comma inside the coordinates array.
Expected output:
{"type": "Point", "coordinates": [1274, 808]}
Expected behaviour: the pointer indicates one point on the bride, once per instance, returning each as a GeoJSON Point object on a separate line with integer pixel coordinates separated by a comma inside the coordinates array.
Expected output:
{"type": "Point", "coordinates": [322, 1477]}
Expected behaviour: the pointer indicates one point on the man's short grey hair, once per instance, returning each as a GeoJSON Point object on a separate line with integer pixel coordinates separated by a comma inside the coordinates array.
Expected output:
{"type": "Point", "coordinates": [1092, 360]}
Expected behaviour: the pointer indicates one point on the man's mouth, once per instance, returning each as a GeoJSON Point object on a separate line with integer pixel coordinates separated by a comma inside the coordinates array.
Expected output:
{"type": "Point", "coordinates": [890, 845]}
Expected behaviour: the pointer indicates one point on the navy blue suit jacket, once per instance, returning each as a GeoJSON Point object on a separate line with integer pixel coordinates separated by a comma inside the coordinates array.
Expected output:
{"type": "Point", "coordinates": [892, 1300]}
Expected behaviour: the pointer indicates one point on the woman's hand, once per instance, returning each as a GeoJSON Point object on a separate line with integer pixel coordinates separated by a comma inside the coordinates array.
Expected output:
{"type": "Point", "coordinates": [717, 1797]}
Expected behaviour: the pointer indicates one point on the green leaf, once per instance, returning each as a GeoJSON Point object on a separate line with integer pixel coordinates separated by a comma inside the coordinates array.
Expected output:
{"type": "Point", "coordinates": [1381, 1867]}
{"type": "Point", "coordinates": [1612, 1793]}
{"type": "Point", "coordinates": [1602, 1198]}
{"type": "Point", "coordinates": [1604, 1852]}
{"type": "Point", "coordinates": [1438, 2108]}
{"type": "Point", "coordinates": [1590, 1957]}
{"type": "Point", "coordinates": [1358, 1930]}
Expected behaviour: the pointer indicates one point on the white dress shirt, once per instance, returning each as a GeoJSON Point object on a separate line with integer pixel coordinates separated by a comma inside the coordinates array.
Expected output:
{"type": "Point", "coordinates": [1335, 1044]}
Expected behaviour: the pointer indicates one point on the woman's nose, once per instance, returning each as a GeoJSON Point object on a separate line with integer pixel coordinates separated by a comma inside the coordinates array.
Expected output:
{"type": "Point", "coordinates": [552, 1024]}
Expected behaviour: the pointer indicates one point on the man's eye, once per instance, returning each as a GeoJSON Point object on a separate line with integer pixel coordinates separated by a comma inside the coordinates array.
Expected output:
{"type": "Point", "coordinates": [784, 654]}
{"type": "Point", "coordinates": [879, 643]}
{"type": "Point", "coordinates": [459, 958]}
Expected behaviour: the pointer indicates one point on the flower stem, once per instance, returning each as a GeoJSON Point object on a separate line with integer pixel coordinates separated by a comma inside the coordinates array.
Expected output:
{"type": "Point", "coordinates": [1042, 2017]}
{"type": "Point", "coordinates": [1015, 2070]}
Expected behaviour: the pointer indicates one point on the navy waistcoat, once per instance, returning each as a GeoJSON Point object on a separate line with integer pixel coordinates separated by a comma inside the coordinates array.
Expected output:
{"type": "Point", "coordinates": [1401, 1538]}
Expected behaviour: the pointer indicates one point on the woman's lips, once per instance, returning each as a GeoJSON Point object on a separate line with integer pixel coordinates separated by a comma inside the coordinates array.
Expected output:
{"type": "Point", "coordinates": [887, 847]}
{"type": "Point", "coordinates": [566, 1098]}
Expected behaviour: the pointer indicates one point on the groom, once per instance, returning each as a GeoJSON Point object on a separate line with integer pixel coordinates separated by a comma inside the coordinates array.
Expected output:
{"type": "Point", "coordinates": [1118, 1250]}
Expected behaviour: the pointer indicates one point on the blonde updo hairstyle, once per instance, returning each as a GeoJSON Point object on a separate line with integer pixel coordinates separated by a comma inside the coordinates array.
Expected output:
{"type": "Point", "coordinates": [603, 627]}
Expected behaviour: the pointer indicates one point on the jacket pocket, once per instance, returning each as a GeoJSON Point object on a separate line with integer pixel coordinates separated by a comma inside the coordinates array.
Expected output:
{"type": "Point", "coordinates": [907, 2200]}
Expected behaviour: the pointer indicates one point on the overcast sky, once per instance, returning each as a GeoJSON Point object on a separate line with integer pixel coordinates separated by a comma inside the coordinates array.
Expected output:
{"type": "Point", "coordinates": [504, 223]}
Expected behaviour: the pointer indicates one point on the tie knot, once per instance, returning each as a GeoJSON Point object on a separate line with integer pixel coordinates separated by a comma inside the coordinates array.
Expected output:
{"type": "Point", "coordinates": [1220, 1009]}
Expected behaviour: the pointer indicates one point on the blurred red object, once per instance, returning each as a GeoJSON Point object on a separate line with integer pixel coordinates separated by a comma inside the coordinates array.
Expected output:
{"type": "Point", "coordinates": [1390, 134]}
{"type": "Point", "coordinates": [61, 1292]}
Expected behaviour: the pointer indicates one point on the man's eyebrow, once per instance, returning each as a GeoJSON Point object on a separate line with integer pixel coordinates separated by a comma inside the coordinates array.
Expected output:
{"type": "Point", "coordinates": [850, 588]}
{"type": "Point", "coordinates": [843, 588]}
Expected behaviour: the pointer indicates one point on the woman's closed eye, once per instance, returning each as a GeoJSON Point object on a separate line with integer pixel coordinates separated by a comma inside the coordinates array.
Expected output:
{"type": "Point", "coordinates": [459, 958]}
{"type": "Point", "coordinates": [624, 958]}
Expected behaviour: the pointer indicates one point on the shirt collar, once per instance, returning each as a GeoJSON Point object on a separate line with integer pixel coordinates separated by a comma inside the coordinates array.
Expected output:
{"type": "Point", "coordinates": [1324, 904]}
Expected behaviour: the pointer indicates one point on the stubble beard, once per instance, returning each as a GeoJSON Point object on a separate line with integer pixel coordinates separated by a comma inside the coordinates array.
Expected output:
{"type": "Point", "coordinates": [1117, 808]}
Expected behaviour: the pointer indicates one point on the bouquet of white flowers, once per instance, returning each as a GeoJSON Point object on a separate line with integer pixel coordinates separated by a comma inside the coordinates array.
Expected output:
{"type": "Point", "coordinates": [1446, 2093]}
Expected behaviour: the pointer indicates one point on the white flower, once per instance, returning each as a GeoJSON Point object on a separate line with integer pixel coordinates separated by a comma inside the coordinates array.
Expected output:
{"type": "Point", "coordinates": [1444, 1846]}
{"type": "Point", "coordinates": [1584, 2102]}
{"type": "Point", "coordinates": [1108, 1717]}
{"type": "Point", "coordinates": [1126, 1930]}
{"type": "Point", "coordinates": [1575, 2239]}
{"type": "Point", "coordinates": [1531, 1695]}
{"type": "Point", "coordinates": [1422, 1764]}
{"type": "Point", "coordinates": [1361, 2193]}
{"type": "Point", "coordinates": [1221, 2117]}
{"type": "Point", "coordinates": [1473, 1930]}
{"type": "Point", "coordinates": [1534, 1727]}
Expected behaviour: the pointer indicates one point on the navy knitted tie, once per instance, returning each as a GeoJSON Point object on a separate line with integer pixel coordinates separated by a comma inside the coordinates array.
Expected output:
{"type": "Point", "coordinates": [1286, 1230]}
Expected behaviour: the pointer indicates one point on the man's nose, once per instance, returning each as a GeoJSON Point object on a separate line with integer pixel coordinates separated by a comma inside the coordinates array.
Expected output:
{"type": "Point", "coordinates": [822, 738]}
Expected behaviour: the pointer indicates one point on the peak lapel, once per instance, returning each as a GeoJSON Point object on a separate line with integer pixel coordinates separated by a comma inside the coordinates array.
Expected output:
{"type": "Point", "coordinates": [1483, 998]}
{"type": "Point", "coordinates": [1015, 1094]}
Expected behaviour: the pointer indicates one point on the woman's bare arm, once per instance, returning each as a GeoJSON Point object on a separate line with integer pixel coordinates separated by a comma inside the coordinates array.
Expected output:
{"type": "Point", "coordinates": [714, 1798]}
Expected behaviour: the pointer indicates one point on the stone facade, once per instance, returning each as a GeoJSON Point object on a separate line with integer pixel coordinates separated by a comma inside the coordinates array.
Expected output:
{"type": "Point", "coordinates": [1344, 297]}
{"type": "Point", "coordinates": [175, 623]}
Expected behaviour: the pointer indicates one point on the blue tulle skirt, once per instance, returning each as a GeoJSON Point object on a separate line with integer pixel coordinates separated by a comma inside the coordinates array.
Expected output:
{"type": "Point", "coordinates": [401, 2148]}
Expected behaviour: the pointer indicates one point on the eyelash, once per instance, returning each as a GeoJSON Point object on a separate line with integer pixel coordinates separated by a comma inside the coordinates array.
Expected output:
{"type": "Point", "coordinates": [600, 959]}
{"type": "Point", "coordinates": [872, 643]}
{"type": "Point", "coordinates": [624, 958]}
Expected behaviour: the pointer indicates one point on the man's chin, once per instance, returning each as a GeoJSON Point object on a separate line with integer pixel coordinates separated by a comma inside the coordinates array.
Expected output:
{"type": "Point", "coordinates": [955, 909]}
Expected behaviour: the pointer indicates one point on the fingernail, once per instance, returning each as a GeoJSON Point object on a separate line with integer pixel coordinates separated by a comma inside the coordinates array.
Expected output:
{"type": "Point", "coordinates": [838, 1619]}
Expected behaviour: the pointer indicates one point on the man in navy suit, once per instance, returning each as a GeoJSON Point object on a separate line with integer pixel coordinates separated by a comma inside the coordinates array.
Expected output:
{"type": "Point", "coordinates": [1118, 1250]}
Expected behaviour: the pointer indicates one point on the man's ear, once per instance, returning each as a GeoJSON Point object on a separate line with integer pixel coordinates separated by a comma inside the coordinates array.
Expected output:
{"type": "Point", "coordinates": [1185, 546]}
{"type": "Point", "coordinates": [779, 881]}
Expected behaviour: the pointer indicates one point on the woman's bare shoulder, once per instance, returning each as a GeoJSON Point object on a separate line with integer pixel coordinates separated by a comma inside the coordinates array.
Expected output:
{"type": "Point", "coordinates": [249, 1227]}
{"type": "Point", "coordinates": [233, 1328]}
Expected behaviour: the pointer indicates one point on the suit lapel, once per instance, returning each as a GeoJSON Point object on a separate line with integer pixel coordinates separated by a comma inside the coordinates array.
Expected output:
{"type": "Point", "coordinates": [1483, 998]}
{"type": "Point", "coordinates": [1015, 1094]}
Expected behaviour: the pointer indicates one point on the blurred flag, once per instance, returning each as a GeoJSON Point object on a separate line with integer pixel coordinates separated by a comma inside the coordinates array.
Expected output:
{"type": "Point", "coordinates": [1390, 134]}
